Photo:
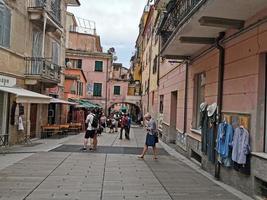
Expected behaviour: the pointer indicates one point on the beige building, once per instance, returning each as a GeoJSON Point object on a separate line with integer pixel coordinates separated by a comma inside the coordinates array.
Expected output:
{"type": "Point", "coordinates": [32, 52]}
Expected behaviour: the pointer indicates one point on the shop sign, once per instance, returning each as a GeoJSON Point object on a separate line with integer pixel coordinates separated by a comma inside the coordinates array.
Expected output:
{"type": "Point", "coordinates": [7, 81]}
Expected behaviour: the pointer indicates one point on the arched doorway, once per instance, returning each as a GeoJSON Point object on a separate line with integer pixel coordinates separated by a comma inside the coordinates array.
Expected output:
{"type": "Point", "coordinates": [125, 107]}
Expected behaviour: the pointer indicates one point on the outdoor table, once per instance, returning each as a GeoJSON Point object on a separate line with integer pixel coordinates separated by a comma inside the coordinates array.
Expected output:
{"type": "Point", "coordinates": [50, 129]}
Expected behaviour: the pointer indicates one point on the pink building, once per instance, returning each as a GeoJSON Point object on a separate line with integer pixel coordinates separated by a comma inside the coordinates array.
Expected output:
{"type": "Point", "coordinates": [85, 52]}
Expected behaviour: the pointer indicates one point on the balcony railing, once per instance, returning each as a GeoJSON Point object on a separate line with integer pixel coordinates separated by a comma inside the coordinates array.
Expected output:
{"type": "Point", "coordinates": [43, 68]}
{"type": "Point", "coordinates": [177, 11]}
{"type": "Point", "coordinates": [51, 6]}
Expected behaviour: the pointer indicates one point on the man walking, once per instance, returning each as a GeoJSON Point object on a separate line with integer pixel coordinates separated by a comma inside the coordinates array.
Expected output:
{"type": "Point", "coordinates": [129, 125]}
{"type": "Point", "coordinates": [124, 126]}
{"type": "Point", "coordinates": [90, 132]}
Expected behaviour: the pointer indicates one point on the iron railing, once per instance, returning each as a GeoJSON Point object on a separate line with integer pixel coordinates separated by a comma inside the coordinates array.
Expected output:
{"type": "Point", "coordinates": [176, 12]}
{"type": "Point", "coordinates": [42, 67]}
{"type": "Point", "coordinates": [51, 6]}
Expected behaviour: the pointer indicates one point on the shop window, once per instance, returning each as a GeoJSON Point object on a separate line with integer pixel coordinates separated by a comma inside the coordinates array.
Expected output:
{"type": "Point", "coordinates": [99, 66]}
{"type": "Point", "coordinates": [117, 90]}
{"type": "Point", "coordinates": [199, 92]}
{"type": "Point", "coordinates": [97, 90]}
{"type": "Point", "coordinates": [161, 101]}
{"type": "Point", "coordinates": [5, 24]}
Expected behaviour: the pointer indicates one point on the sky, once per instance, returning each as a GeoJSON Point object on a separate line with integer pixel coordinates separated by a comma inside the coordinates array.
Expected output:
{"type": "Point", "coordinates": [116, 22]}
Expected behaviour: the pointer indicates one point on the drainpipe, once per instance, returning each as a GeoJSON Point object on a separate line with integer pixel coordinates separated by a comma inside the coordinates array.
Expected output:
{"type": "Point", "coordinates": [186, 95]}
{"type": "Point", "coordinates": [220, 90]}
{"type": "Point", "coordinates": [220, 73]}
{"type": "Point", "coordinates": [106, 99]}
{"type": "Point", "coordinates": [44, 27]}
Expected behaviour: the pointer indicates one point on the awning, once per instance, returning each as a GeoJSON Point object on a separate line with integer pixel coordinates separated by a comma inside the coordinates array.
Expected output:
{"type": "Point", "coordinates": [26, 96]}
{"type": "Point", "coordinates": [60, 101]}
{"type": "Point", "coordinates": [83, 103]}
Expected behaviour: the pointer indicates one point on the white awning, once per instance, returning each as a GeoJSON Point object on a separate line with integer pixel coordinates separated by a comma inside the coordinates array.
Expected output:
{"type": "Point", "coordinates": [60, 101]}
{"type": "Point", "coordinates": [26, 96]}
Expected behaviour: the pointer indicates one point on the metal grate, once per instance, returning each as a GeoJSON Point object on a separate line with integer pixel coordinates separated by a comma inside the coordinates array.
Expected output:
{"type": "Point", "coordinates": [108, 150]}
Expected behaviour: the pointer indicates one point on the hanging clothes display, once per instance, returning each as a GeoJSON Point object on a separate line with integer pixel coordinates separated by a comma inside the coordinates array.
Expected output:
{"type": "Point", "coordinates": [241, 146]}
{"type": "Point", "coordinates": [204, 126]}
{"type": "Point", "coordinates": [211, 131]}
{"type": "Point", "coordinates": [224, 143]}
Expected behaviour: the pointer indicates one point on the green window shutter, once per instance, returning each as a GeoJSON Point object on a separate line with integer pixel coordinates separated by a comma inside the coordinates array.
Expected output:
{"type": "Point", "coordinates": [117, 90]}
{"type": "Point", "coordinates": [99, 66]}
{"type": "Point", "coordinates": [97, 89]}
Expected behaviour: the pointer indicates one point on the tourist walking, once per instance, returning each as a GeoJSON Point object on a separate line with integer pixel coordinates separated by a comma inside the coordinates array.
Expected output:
{"type": "Point", "coordinates": [151, 136]}
{"type": "Point", "coordinates": [92, 124]}
{"type": "Point", "coordinates": [124, 126]}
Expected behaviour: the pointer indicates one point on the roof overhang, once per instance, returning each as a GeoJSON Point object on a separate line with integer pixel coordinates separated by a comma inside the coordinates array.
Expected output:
{"type": "Point", "coordinates": [197, 31]}
{"type": "Point", "coordinates": [26, 96]}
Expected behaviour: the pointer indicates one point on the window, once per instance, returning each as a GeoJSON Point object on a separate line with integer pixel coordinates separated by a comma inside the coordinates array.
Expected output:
{"type": "Point", "coordinates": [155, 65]}
{"type": "Point", "coordinates": [161, 101]}
{"type": "Point", "coordinates": [74, 63]}
{"type": "Point", "coordinates": [5, 24]}
{"type": "Point", "coordinates": [117, 90]}
{"type": "Point", "coordinates": [97, 90]}
{"type": "Point", "coordinates": [200, 96]}
{"type": "Point", "coordinates": [80, 88]}
{"type": "Point", "coordinates": [55, 53]}
{"type": "Point", "coordinates": [99, 66]}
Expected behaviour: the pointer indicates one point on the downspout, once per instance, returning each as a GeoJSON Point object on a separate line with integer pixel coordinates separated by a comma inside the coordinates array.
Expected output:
{"type": "Point", "coordinates": [106, 99]}
{"type": "Point", "coordinates": [220, 73]}
{"type": "Point", "coordinates": [43, 42]}
{"type": "Point", "coordinates": [186, 95]}
{"type": "Point", "coordinates": [220, 91]}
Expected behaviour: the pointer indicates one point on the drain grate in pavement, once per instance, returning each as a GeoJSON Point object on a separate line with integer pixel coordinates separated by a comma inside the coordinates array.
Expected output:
{"type": "Point", "coordinates": [108, 150]}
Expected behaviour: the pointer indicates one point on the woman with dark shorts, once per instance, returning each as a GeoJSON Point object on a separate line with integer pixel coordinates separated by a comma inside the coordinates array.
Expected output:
{"type": "Point", "coordinates": [151, 137]}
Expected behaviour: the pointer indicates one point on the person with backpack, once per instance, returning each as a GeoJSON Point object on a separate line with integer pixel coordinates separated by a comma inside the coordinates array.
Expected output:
{"type": "Point", "coordinates": [92, 124]}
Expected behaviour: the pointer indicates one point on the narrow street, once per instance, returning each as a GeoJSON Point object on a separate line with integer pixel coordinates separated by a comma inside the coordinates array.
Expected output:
{"type": "Point", "coordinates": [57, 169]}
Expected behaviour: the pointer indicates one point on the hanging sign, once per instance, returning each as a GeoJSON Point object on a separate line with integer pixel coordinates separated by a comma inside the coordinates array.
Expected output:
{"type": "Point", "coordinates": [7, 81]}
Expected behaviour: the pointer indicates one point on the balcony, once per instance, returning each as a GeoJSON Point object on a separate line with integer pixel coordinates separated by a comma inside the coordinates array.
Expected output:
{"type": "Point", "coordinates": [51, 8]}
{"type": "Point", "coordinates": [42, 70]}
{"type": "Point", "coordinates": [189, 26]}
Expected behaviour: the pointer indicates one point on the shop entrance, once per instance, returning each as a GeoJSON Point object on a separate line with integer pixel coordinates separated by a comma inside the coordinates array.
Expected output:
{"type": "Point", "coordinates": [33, 119]}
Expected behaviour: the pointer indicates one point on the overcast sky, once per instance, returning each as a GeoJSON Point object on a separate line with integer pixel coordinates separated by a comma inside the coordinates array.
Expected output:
{"type": "Point", "coordinates": [116, 22]}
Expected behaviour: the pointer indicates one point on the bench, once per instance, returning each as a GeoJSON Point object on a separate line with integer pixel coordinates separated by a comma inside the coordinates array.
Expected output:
{"type": "Point", "coordinates": [50, 130]}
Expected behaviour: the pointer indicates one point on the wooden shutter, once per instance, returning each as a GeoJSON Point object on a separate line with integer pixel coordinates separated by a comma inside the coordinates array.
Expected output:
{"type": "Point", "coordinates": [99, 66]}
{"type": "Point", "coordinates": [1, 24]}
{"type": "Point", "coordinates": [7, 26]}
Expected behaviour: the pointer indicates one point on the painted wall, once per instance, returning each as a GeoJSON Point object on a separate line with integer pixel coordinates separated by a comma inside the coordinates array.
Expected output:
{"type": "Point", "coordinates": [69, 83]}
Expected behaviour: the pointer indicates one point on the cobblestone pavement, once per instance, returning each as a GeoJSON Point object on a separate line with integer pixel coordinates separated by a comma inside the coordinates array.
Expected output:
{"type": "Point", "coordinates": [39, 172]}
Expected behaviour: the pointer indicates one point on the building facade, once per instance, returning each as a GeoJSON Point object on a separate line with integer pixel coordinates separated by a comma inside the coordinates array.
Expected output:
{"type": "Point", "coordinates": [32, 50]}
{"type": "Point", "coordinates": [215, 57]}
{"type": "Point", "coordinates": [85, 52]}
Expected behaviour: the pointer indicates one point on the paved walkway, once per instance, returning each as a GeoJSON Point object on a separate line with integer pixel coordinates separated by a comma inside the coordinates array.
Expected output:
{"type": "Point", "coordinates": [56, 169]}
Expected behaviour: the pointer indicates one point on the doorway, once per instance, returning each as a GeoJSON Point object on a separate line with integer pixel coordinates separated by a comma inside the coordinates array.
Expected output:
{"type": "Point", "coordinates": [33, 119]}
{"type": "Point", "coordinates": [173, 117]}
